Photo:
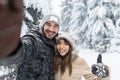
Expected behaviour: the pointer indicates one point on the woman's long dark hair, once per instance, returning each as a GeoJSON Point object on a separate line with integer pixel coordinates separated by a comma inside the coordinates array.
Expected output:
{"type": "Point", "coordinates": [65, 61]}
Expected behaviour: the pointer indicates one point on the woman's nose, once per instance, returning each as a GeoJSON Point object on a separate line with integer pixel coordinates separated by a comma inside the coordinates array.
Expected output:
{"type": "Point", "coordinates": [61, 46]}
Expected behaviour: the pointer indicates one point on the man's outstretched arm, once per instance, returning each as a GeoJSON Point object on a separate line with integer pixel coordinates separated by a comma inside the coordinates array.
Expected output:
{"type": "Point", "coordinates": [11, 13]}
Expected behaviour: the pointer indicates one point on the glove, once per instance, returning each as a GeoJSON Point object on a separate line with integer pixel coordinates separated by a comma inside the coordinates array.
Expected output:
{"type": "Point", "coordinates": [100, 69]}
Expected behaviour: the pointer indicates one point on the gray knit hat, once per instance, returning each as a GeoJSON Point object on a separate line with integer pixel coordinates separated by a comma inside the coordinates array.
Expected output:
{"type": "Point", "coordinates": [51, 17]}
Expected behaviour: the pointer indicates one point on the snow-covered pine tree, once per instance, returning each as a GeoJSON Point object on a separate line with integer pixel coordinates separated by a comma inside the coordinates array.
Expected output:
{"type": "Point", "coordinates": [78, 14]}
{"type": "Point", "coordinates": [92, 22]}
{"type": "Point", "coordinates": [78, 19]}
{"type": "Point", "coordinates": [102, 27]}
{"type": "Point", "coordinates": [115, 41]}
{"type": "Point", "coordinates": [8, 72]}
{"type": "Point", "coordinates": [66, 14]}
{"type": "Point", "coordinates": [35, 14]}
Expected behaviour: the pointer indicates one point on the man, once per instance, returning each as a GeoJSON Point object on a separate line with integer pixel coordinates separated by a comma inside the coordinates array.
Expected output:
{"type": "Point", "coordinates": [39, 51]}
{"type": "Point", "coordinates": [34, 53]}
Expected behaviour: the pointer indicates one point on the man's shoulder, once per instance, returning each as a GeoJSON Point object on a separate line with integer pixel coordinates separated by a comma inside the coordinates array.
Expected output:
{"type": "Point", "coordinates": [33, 33]}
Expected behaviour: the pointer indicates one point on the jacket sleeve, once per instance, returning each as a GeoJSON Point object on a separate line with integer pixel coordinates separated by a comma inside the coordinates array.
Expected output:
{"type": "Point", "coordinates": [88, 75]}
{"type": "Point", "coordinates": [13, 58]}
{"type": "Point", "coordinates": [23, 51]}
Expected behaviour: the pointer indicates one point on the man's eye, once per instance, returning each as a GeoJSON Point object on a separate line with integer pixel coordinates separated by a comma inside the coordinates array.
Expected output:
{"type": "Point", "coordinates": [48, 24]}
{"type": "Point", "coordinates": [55, 26]}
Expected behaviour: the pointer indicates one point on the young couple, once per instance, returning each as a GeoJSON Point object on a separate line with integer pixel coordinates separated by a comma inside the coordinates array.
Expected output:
{"type": "Point", "coordinates": [42, 54]}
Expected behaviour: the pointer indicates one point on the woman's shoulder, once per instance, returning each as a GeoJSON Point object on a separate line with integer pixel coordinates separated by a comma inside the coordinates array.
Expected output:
{"type": "Point", "coordinates": [78, 60]}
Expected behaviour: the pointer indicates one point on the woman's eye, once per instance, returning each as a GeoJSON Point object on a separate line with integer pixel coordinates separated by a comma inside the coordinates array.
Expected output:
{"type": "Point", "coordinates": [66, 43]}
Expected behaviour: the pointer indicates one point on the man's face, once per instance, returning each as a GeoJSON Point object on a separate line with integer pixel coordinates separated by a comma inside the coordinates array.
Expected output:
{"type": "Point", "coordinates": [51, 29]}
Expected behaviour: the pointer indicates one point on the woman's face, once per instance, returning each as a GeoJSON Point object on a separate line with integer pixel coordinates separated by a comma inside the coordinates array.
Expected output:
{"type": "Point", "coordinates": [63, 47]}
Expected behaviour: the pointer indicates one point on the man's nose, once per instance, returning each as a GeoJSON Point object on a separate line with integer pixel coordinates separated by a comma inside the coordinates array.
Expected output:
{"type": "Point", "coordinates": [51, 28]}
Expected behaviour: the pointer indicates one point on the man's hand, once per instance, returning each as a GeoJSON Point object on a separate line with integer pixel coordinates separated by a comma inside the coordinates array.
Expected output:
{"type": "Point", "coordinates": [11, 12]}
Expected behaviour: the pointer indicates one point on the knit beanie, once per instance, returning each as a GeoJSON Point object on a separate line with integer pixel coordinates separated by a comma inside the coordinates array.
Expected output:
{"type": "Point", "coordinates": [51, 17]}
{"type": "Point", "coordinates": [67, 37]}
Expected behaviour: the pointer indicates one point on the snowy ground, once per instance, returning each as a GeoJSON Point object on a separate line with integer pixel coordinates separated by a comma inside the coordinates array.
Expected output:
{"type": "Point", "coordinates": [112, 60]}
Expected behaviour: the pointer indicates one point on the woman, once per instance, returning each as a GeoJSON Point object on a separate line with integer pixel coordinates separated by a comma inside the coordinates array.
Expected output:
{"type": "Point", "coordinates": [68, 65]}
